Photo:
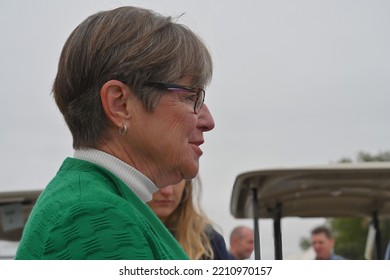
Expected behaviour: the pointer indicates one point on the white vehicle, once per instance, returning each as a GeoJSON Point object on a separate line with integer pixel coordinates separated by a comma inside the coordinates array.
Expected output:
{"type": "Point", "coordinates": [15, 207]}
{"type": "Point", "coordinates": [334, 190]}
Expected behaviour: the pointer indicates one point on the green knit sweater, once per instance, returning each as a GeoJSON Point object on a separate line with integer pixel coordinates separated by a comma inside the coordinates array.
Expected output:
{"type": "Point", "coordinates": [86, 212]}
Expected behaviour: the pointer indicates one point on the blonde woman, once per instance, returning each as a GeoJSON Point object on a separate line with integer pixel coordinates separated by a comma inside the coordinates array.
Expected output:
{"type": "Point", "coordinates": [177, 208]}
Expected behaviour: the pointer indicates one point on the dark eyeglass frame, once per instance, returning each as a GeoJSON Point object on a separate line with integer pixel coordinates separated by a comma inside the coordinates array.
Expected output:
{"type": "Point", "coordinates": [200, 92]}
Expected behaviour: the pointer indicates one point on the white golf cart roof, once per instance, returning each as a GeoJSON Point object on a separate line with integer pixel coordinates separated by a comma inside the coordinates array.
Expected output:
{"type": "Point", "coordinates": [333, 190]}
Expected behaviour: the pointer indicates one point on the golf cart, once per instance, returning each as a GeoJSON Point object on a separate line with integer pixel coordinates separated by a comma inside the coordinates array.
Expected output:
{"type": "Point", "coordinates": [334, 190]}
{"type": "Point", "coordinates": [15, 207]}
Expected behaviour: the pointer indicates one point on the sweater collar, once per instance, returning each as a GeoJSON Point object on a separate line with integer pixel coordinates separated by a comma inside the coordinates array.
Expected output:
{"type": "Point", "coordinates": [141, 185]}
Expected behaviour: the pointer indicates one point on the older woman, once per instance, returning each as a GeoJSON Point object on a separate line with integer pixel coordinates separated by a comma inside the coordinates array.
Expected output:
{"type": "Point", "coordinates": [130, 85]}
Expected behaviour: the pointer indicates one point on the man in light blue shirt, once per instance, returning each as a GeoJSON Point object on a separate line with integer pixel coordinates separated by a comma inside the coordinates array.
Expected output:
{"type": "Point", "coordinates": [323, 244]}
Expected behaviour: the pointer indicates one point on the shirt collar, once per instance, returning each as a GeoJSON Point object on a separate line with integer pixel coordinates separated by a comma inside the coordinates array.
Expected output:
{"type": "Point", "coordinates": [141, 185]}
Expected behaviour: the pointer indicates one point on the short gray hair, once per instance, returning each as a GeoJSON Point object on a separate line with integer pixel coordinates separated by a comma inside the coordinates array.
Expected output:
{"type": "Point", "coordinates": [129, 44]}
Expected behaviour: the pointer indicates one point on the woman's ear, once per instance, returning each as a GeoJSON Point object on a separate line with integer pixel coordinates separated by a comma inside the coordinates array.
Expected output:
{"type": "Point", "coordinates": [114, 96]}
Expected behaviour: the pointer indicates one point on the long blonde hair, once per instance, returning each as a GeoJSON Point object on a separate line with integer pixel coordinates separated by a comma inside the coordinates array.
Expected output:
{"type": "Point", "coordinates": [189, 226]}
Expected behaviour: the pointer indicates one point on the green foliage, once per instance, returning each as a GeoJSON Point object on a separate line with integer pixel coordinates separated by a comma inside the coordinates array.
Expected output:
{"type": "Point", "coordinates": [350, 235]}
{"type": "Point", "coordinates": [345, 160]}
{"type": "Point", "coordinates": [381, 156]}
{"type": "Point", "coordinates": [385, 228]}
{"type": "Point", "coordinates": [305, 243]}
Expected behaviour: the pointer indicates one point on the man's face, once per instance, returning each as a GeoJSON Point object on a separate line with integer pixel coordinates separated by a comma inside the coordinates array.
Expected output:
{"type": "Point", "coordinates": [245, 245]}
{"type": "Point", "coordinates": [322, 246]}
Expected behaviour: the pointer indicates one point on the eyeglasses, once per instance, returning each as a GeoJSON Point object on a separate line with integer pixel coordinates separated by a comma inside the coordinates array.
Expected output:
{"type": "Point", "coordinates": [197, 98]}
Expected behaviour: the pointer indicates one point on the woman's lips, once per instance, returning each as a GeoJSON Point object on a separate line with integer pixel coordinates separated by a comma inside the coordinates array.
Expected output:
{"type": "Point", "coordinates": [164, 202]}
{"type": "Point", "coordinates": [196, 148]}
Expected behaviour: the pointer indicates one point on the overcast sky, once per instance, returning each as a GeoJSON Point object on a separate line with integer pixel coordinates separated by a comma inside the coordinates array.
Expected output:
{"type": "Point", "coordinates": [295, 83]}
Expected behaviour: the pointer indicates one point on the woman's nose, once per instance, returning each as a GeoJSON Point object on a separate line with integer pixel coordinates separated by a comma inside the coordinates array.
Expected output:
{"type": "Point", "coordinates": [166, 190]}
{"type": "Point", "coordinates": [206, 121]}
